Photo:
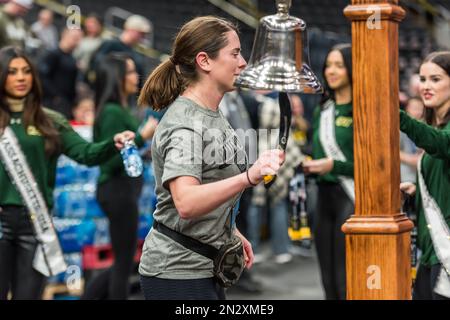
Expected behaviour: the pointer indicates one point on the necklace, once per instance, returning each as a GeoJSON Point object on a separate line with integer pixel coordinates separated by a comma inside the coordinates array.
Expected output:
{"type": "Point", "coordinates": [202, 103]}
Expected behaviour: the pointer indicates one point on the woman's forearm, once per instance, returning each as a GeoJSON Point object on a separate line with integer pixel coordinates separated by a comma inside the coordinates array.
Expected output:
{"type": "Point", "coordinates": [435, 142]}
{"type": "Point", "coordinates": [409, 159]}
{"type": "Point", "coordinates": [194, 200]}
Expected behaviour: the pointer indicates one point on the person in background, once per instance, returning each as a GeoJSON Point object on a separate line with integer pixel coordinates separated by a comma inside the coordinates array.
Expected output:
{"type": "Point", "coordinates": [302, 135]}
{"type": "Point", "coordinates": [300, 126]}
{"type": "Point", "coordinates": [235, 111]}
{"type": "Point", "coordinates": [333, 130]}
{"type": "Point", "coordinates": [409, 153]}
{"type": "Point", "coordinates": [276, 197]}
{"type": "Point", "coordinates": [58, 70]}
{"type": "Point", "coordinates": [92, 40]}
{"type": "Point", "coordinates": [42, 136]}
{"type": "Point", "coordinates": [13, 28]}
{"type": "Point", "coordinates": [414, 85]}
{"type": "Point", "coordinates": [84, 112]}
{"type": "Point", "coordinates": [135, 29]}
{"type": "Point", "coordinates": [45, 30]}
{"type": "Point", "coordinates": [117, 193]}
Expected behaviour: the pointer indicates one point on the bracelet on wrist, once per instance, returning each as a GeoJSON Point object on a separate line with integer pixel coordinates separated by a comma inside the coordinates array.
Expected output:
{"type": "Point", "coordinates": [249, 181]}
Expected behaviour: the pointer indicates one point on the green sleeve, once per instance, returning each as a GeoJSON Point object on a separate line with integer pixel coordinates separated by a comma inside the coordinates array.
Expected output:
{"type": "Point", "coordinates": [113, 121]}
{"type": "Point", "coordinates": [78, 149]}
{"type": "Point", "coordinates": [343, 168]}
{"type": "Point", "coordinates": [434, 141]}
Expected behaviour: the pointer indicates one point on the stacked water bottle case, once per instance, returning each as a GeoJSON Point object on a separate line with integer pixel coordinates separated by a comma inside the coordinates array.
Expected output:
{"type": "Point", "coordinates": [81, 225]}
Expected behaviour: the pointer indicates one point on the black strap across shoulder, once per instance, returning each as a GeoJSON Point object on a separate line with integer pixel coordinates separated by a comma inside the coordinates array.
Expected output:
{"type": "Point", "coordinates": [201, 248]}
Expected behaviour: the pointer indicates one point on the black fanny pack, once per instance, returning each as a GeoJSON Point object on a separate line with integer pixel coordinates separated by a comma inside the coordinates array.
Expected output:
{"type": "Point", "coordinates": [228, 261]}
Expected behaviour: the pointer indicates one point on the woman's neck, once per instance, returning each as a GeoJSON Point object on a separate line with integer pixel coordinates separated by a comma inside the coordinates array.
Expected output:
{"type": "Point", "coordinates": [441, 112]}
{"type": "Point", "coordinates": [15, 104]}
{"type": "Point", "coordinates": [343, 95]}
{"type": "Point", "coordinates": [124, 99]}
{"type": "Point", "coordinates": [204, 96]}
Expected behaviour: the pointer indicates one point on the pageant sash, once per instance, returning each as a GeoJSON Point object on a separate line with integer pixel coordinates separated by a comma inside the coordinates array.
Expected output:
{"type": "Point", "coordinates": [440, 234]}
{"type": "Point", "coordinates": [48, 258]}
{"type": "Point", "coordinates": [331, 148]}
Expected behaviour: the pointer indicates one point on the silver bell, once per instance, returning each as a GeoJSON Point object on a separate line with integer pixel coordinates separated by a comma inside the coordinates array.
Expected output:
{"type": "Point", "coordinates": [280, 56]}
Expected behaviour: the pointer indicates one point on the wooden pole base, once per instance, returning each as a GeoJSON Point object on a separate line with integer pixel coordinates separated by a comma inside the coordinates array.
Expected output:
{"type": "Point", "coordinates": [378, 256]}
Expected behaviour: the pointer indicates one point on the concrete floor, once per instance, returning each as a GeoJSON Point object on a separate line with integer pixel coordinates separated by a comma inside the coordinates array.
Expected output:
{"type": "Point", "coordinates": [298, 279]}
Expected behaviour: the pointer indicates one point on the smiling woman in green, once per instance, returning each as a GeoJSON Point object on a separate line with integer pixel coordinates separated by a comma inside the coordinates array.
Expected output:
{"type": "Point", "coordinates": [42, 135]}
{"type": "Point", "coordinates": [433, 189]}
{"type": "Point", "coordinates": [333, 163]}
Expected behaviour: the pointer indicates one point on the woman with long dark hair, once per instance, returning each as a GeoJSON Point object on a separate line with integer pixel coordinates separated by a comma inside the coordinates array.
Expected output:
{"type": "Point", "coordinates": [117, 193]}
{"type": "Point", "coordinates": [38, 137]}
{"type": "Point", "coordinates": [433, 179]}
{"type": "Point", "coordinates": [333, 163]}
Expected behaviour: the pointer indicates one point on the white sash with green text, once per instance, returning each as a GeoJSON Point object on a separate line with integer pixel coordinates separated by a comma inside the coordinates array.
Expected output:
{"type": "Point", "coordinates": [331, 148]}
{"type": "Point", "coordinates": [440, 234]}
{"type": "Point", "coordinates": [48, 258]}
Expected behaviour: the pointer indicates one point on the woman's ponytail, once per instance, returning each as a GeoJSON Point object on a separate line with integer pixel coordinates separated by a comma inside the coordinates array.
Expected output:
{"type": "Point", "coordinates": [162, 86]}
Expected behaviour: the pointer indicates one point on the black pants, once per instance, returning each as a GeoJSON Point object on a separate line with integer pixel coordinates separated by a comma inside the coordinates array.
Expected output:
{"type": "Point", "coordinates": [118, 198]}
{"type": "Point", "coordinates": [17, 248]}
{"type": "Point", "coordinates": [334, 207]}
{"type": "Point", "coordinates": [174, 289]}
{"type": "Point", "coordinates": [425, 283]}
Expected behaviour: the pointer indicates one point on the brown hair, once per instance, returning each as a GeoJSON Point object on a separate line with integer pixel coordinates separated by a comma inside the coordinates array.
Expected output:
{"type": "Point", "coordinates": [33, 113]}
{"type": "Point", "coordinates": [202, 34]}
{"type": "Point", "coordinates": [442, 59]}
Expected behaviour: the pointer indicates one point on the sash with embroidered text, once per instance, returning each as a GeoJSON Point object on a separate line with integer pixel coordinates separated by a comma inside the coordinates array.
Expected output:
{"type": "Point", "coordinates": [48, 258]}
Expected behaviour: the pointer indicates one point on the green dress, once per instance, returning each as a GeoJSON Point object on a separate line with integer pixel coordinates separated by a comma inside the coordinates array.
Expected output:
{"type": "Point", "coordinates": [436, 174]}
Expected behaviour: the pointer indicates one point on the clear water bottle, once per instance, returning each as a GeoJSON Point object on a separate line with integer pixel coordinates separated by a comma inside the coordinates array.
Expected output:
{"type": "Point", "coordinates": [132, 161]}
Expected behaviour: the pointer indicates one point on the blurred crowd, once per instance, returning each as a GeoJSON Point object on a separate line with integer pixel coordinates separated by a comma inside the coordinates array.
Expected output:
{"type": "Point", "coordinates": [67, 60]}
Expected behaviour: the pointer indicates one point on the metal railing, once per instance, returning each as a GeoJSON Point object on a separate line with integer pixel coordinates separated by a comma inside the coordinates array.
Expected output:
{"type": "Point", "coordinates": [236, 12]}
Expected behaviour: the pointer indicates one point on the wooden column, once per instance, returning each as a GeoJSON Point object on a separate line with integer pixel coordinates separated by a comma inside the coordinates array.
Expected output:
{"type": "Point", "coordinates": [377, 235]}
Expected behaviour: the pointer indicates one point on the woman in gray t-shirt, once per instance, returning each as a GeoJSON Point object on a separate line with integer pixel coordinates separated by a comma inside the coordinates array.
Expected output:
{"type": "Point", "coordinates": [199, 167]}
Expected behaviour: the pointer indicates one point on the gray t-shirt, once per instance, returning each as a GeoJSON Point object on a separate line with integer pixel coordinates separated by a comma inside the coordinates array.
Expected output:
{"type": "Point", "coordinates": [189, 142]}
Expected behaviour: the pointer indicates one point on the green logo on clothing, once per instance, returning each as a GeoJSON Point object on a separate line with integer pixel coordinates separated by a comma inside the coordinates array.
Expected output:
{"type": "Point", "coordinates": [344, 121]}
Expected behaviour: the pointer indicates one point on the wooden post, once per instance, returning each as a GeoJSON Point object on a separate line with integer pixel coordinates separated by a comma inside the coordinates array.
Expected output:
{"type": "Point", "coordinates": [377, 235]}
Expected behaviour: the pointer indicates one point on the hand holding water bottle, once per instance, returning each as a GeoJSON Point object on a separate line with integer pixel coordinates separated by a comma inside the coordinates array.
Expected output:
{"type": "Point", "coordinates": [132, 160]}
{"type": "Point", "coordinates": [122, 137]}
